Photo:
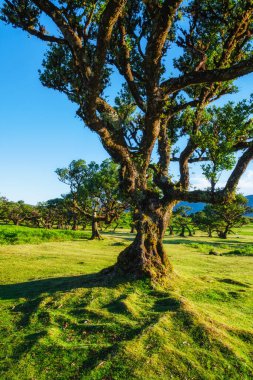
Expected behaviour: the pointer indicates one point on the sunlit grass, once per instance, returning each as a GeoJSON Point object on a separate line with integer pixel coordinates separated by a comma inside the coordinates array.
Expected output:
{"type": "Point", "coordinates": [60, 319]}
{"type": "Point", "coordinates": [10, 234]}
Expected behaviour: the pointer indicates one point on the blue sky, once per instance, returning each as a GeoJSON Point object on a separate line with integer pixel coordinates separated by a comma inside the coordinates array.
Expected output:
{"type": "Point", "coordinates": [39, 130]}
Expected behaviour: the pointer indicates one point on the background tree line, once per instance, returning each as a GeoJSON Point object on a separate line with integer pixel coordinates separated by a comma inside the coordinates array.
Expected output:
{"type": "Point", "coordinates": [96, 200]}
{"type": "Point", "coordinates": [220, 219]}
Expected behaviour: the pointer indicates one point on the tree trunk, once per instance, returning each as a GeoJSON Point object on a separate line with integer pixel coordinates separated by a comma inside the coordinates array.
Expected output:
{"type": "Point", "coordinates": [146, 256]}
{"type": "Point", "coordinates": [74, 227]}
{"type": "Point", "coordinates": [132, 228]}
{"type": "Point", "coordinates": [171, 230]}
{"type": "Point", "coordinates": [116, 226]}
{"type": "Point", "coordinates": [94, 225]}
{"type": "Point", "coordinates": [190, 231]}
{"type": "Point", "coordinates": [223, 235]}
{"type": "Point", "coordinates": [182, 234]}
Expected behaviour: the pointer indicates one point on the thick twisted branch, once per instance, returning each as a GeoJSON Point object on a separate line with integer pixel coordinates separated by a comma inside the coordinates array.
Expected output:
{"type": "Point", "coordinates": [208, 76]}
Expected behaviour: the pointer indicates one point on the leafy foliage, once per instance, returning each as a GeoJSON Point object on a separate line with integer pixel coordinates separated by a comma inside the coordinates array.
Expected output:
{"type": "Point", "coordinates": [182, 221]}
{"type": "Point", "coordinates": [94, 190]}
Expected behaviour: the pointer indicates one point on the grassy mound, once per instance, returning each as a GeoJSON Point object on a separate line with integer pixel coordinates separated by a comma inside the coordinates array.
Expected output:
{"type": "Point", "coordinates": [26, 235]}
{"type": "Point", "coordinates": [60, 319]}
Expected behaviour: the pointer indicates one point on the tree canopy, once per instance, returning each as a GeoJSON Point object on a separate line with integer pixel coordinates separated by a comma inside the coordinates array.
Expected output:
{"type": "Point", "coordinates": [94, 192]}
{"type": "Point", "coordinates": [182, 221]}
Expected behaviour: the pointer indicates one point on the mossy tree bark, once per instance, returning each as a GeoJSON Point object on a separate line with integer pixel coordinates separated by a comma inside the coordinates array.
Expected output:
{"type": "Point", "coordinates": [146, 256]}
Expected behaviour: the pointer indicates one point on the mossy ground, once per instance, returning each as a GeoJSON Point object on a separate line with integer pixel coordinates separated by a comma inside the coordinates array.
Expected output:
{"type": "Point", "coordinates": [61, 319]}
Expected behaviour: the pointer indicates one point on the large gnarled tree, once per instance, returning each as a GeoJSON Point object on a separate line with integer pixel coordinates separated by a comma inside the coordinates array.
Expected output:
{"type": "Point", "coordinates": [210, 42]}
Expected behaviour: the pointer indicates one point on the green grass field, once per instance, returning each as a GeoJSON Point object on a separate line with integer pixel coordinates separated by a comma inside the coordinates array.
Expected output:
{"type": "Point", "coordinates": [60, 319]}
{"type": "Point", "coordinates": [24, 235]}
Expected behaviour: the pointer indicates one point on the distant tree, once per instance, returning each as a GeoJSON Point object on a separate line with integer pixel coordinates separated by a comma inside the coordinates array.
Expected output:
{"type": "Point", "coordinates": [3, 209]}
{"type": "Point", "coordinates": [46, 215]}
{"type": "Point", "coordinates": [223, 218]}
{"type": "Point", "coordinates": [33, 218]}
{"type": "Point", "coordinates": [182, 221]}
{"type": "Point", "coordinates": [74, 218]}
{"type": "Point", "coordinates": [171, 227]}
{"type": "Point", "coordinates": [123, 222]}
{"type": "Point", "coordinates": [104, 187]}
{"type": "Point", "coordinates": [95, 192]}
{"type": "Point", "coordinates": [60, 211]}
{"type": "Point", "coordinates": [163, 97]}
{"type": "Point", "coordinates": [220, 137]}
{"type": "Point", "coordinates": [205, 221]}
{"type": "Point", "coordinates": [17, 212]}
{"type": "Point", "coordinates": [74, 176]}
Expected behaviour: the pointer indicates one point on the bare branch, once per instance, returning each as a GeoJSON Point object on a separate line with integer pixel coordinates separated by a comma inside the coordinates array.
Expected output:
{"type": "Point", "coordinates": [181, 107]}
{"type": "Point", "coordinates": [195, 196]}
{"type": "Point", "coordinates": [208, 76]}
{"type": "Point", "coordinates": [88, 21]}
{"type": "Point", "coordinates": [242, 145]}
{"type": "Point", "coordinates": [109, 18]}
{"type": "Point", "coordinates": [125, 67]}
{"type": "Point", "coordinates": [55, 14]}
{"type": "Point", "coordinates": [162, 24]}
{"type": "Point", "coordinates": [45, 37]}
{"type": "Point", "coordinates": [191, 160]}
{"type": "Point", "coordinates": [164, 147]}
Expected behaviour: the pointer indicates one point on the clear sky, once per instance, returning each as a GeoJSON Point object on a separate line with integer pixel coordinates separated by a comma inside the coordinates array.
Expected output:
{"type": "Point", "coordinates": [39, 130]}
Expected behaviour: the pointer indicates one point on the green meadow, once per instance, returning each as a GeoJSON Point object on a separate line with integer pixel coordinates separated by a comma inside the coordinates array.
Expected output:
{"type": "Point", "coordinates": [10, 234]}
{"type": "Point", "coordinates": [62, 319]}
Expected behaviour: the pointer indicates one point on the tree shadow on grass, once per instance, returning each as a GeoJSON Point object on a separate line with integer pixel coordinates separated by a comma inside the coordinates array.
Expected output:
{"type": "Point", "coordinates": [28, 343]}
{"type": "Point", "coordinates": [118, 333]}
{"type": "Point", "coordinates": [31, 315]}
{"type": "Point", "coordinates": [99, 334]}
{"type": "Point", "coordinates": [35, 288]}
{"type": "Point", "coordinates": [215, 241]}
